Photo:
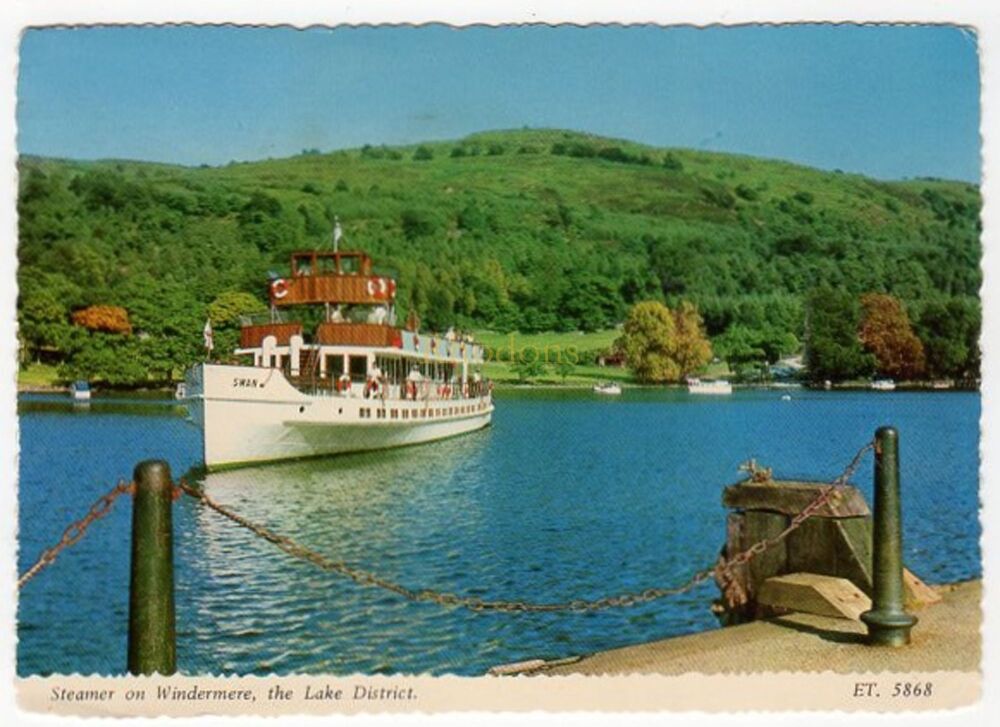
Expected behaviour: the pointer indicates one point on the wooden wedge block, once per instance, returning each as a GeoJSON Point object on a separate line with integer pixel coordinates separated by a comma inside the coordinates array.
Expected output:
{"type": "Point", "coordinates": [916, 592]}
{"type": "Point", "coordinates": [816, 594]}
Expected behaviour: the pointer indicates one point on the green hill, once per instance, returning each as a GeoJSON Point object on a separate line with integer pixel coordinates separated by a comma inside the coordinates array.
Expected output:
{"type": "Point", "coordinates": [530, 230]}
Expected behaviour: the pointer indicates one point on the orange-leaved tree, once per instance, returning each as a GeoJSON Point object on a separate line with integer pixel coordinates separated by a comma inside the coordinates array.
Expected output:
{"type": "Point", "coordinates": [107, 318]}
{"type": "Point", "coordinates": [885, 331]}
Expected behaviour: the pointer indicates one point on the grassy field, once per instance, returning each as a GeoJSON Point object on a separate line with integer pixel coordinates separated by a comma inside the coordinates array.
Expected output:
{"type": "Point", "coordinates": [38, 375]}
{"type": "Point", "coordinates": [551, 348]}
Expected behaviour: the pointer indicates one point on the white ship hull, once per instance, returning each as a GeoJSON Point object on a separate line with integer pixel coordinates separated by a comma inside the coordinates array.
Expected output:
{"type": "Point", "coordinates": [253, 415]}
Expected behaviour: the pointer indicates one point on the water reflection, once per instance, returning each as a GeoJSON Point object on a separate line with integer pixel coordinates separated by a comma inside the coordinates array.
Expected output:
{"type": "Point", "coordinates": [134, 405]}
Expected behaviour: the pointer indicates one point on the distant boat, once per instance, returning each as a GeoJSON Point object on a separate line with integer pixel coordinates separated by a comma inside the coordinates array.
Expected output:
{"type": "Point", "coordinates": [883, 385]}
{"type": "Point", "coordinates": [941, 385]}
{"type": "Point", "coordinates": [827, 384]}
{"type": "Point", "coordinates": [608, 389]}
{"type": "Point", "coordinates": [711, 386]}
{"type": "Point", "coordinates": [80, 391]}
{"type": "Point", "coordinates": [786, 397]}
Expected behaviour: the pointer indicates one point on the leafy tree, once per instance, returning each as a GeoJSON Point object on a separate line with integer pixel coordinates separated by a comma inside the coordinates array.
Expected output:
{"type": "Point", "coordinates": [662, 346]}
{"type": "Point", "coordinates": [692, 349]}
{"type": "Point", "coordinates": [423, 153]}
{"type": "Point", "coordinates": [528, 368]}
{"type": "Point", "coordinates": [672, 163]}
{"type": "Point", "coordinates": [108, 359]}
{"type": "Point", "coordinates": [416, 223]}
{"type": "Point", "coordinates": [563, 368]}
{"type": "Point", "coordinates": [833, 350]}
{"type": "Point", "coordinates": [740, 348]}
{"type": "Point", "coordinates": [225, 313]}
{"type": "Point", "coordinates": [228, 308]}
{"type": "Point", "coordinates": [885, 331]}
{"type": "Point", "coordinates": [949, 331]}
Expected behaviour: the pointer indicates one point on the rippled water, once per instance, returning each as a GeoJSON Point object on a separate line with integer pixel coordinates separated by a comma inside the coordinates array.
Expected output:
{"type": "Point", "coordinates": [566, 496]}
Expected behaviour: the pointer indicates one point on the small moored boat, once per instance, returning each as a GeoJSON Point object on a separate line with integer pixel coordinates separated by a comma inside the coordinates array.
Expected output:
{"type": "Point", "coordinates": [709, 386]}
{"type": "Point", "coordinates": [883, 385]}
{"type": "Point", "coordinates": [80, 391]}
{"type": "Point", "coordinates": [608, 389]}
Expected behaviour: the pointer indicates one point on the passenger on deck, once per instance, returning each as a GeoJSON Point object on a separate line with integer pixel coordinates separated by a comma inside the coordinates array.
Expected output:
{"type": "Point", "coordinates": [413, 383]}
{"type": "Point", "coordinates": [337, 316]}
{"type": "Point", "coordinates": [378, 315]}
{"type": "Point", "coordinates": [372, 384]}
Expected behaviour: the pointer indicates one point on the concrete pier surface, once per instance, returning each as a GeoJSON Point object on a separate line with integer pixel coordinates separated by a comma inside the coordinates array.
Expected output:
{"type": "Point", "coordinates": [946, 638]}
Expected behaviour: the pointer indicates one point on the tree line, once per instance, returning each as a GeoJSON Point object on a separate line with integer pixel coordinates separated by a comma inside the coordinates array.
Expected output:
{"type": "Point", "coordinates": [519, 231]}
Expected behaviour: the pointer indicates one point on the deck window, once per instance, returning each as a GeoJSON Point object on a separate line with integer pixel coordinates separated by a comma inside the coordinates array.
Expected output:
{"type": "Point", "coordinates": [334, 365]}
{"type": "Point", "coordinates": [359, 368]}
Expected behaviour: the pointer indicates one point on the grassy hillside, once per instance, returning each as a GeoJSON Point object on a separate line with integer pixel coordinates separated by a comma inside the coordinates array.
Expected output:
{"type": "Point", "coordinates": [515, 230]}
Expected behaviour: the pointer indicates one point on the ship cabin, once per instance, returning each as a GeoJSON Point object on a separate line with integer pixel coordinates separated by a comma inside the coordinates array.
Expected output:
{"type": "Point", "coordinates": [353, 347]}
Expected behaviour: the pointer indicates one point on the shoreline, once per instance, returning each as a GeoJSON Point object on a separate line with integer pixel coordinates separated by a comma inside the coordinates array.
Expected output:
{"type": "Point", "coordinates": [553, 386]}
{"type": "Point", "coordinates": [946, 637]}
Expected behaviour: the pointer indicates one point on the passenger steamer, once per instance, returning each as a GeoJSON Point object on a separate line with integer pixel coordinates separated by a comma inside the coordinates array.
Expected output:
{"type": "Point", "coordinates": [356, 382]}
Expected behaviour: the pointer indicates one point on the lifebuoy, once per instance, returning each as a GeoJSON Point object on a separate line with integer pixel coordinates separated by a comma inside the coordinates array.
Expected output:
{"type": "Point", "coordinates": [383, 288]}
{"type": "Point", "coordinates": [343, 382]}
{"type": "Point", "coordinates": [392, 288]}
{"type": "Point", "coordinates": [279, 289]}
{"type": "Point", "coordinates": [370, 286]}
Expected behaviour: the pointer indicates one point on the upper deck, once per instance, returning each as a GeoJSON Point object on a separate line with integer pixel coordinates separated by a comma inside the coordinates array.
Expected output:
{"type": "Point", "coordinates": [345, 283]}
{"type": "Point", "coordinates": [332, 277]}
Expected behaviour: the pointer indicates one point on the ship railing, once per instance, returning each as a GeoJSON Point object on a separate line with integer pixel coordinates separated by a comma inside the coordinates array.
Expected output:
{"type": "Point", "coordinates": [435, 391]}
{"type": "Point", "coordinates": [258, 319]}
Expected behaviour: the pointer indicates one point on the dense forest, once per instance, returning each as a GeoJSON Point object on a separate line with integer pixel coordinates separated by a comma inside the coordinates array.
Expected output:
{"type": "Point", "coordinates": [509, 231]}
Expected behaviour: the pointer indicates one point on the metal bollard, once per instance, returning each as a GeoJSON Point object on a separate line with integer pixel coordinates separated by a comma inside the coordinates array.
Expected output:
{"type": "Point", "coordinates": [888, 624]}
{"type": "Point", "coordinates": [152, 643]}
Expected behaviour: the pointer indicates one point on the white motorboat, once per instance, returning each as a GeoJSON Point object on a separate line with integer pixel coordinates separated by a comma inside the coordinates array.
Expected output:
{"type": "Point", "coordinates": [80, 391]}
{"type": "Point", "coordinates": [608, 389]}
{"type": "Point", "coordinates": [709, 386]}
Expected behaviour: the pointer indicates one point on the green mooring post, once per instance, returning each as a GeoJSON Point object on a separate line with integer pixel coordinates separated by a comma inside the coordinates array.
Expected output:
{"type": "Point", "coordinates": [888, 624]}
{"type": "Point", "coordinates": [152, 643]}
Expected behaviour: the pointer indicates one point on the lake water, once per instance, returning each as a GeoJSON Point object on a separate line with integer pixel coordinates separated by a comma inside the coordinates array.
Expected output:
{"type": "Point", "coordinates": [566, 496]}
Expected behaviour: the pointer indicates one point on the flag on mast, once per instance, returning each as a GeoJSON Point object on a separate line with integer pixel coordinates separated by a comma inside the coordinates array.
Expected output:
{"type": "Point", "coordinates": [337, 233]}
{"type": "Point", "coordinates": [209, 340]}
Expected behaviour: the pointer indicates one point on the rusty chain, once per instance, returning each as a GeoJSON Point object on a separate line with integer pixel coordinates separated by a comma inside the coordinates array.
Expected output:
{"type": "Point", "coordinates": [722, 569]}
{"type": "Point", "coordinates": [76, 530]}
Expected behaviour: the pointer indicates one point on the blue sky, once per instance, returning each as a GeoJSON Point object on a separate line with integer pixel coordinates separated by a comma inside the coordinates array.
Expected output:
{"type": "Point", "coordinates": [890, 102]}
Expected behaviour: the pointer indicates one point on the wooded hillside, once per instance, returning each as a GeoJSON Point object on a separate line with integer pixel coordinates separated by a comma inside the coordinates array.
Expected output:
{"type": "Point", "coordinates": [519, 230]}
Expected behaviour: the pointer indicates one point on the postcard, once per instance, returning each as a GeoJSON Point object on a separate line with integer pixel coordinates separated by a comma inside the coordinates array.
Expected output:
{"type": "Point", "coordinates": [379, 367]}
